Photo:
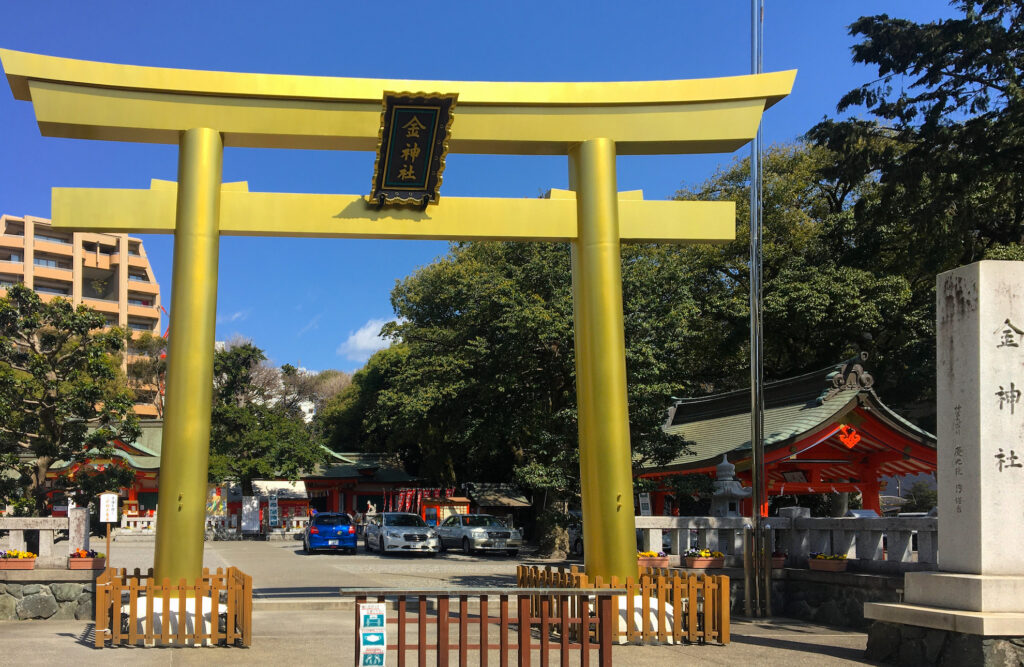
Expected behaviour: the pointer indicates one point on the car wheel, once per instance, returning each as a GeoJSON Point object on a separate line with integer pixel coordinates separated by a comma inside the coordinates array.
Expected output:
{"type": "Point", "coordinates": [465, 545]}
{"type": "Point", "coordinates": [366, 543]}
{"type": "Point", "coordinates": [381, 545]}
{"type": "Point", "coordinates": [512, 553]}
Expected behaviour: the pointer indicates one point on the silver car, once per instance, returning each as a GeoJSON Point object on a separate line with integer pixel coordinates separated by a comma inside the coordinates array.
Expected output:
{"type": "Point", "coordinates": [479, 532]}
{"type": "Point", "coordinates": [391, 532]}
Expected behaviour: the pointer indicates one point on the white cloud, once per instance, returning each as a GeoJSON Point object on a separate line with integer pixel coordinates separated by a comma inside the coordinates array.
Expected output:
{"type": "Point", "coordinates": [361, 344]}
{"type": "Point", "coordinates": [233, 317]}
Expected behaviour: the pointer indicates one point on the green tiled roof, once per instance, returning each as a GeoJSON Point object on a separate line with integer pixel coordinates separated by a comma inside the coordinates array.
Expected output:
{"type": "Point", "coordinates": [350, 465]}
{"type": "Point", "coordinates": [149, 443]}
{"type": "Point", "coordinates": [711, 438]}
{"type": "Point", "coordinates": [794, 407]}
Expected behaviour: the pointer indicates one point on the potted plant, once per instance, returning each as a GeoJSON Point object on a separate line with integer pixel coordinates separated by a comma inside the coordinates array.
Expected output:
{"type": "Point", "coordinates": [13, 559]}
{"type": "Point", "coordinates": [652, 559]}
{"type": "Point", "coordinates": [80, 559]}
{"type": "Point", "coordinates": [779, 560]}
{"type": "Point", "coordinates": [827, 562]}
{"type": "Point", "coordinates": [704, 558]}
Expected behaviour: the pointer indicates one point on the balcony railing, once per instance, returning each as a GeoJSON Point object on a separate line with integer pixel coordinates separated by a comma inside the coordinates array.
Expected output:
{"type": "Point", "coordinates": [872, 544]}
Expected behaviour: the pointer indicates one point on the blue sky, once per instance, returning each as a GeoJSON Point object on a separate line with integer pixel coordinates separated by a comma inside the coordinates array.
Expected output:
{"type": "Point", "coordinates": [318, 303]}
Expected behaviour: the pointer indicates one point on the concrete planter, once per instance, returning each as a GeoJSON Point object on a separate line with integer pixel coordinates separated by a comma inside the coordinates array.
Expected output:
{"type": "Point", "coordinates": [825, 565]}
{"type": "Point", "coordinates": [699, 563]}
{"type": "Point", "coordinates": [652, 561]}
{"type": "Point", "coordinates": [17, 563]}
{"type": "Point", "coordinates": [86, 563]}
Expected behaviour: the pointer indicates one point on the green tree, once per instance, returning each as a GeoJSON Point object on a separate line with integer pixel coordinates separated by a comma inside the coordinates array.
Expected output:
{"type": "Point", "coordinates": [61, 398]}
{"type": "Point", "coordinates": [822, 303]}
{"type": "Point", "coordinates": [253, 434]}
{"type": "Point", "coordinates": [921, 497]}
{"type": "Point", "coordinates": [943, 144]}
{"type": "Point", "coordinates": [147, 369]}
{"type": "Point", "coordinates": [482, 385]}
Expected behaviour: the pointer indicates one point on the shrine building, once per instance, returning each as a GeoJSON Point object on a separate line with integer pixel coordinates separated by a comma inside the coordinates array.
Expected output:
{"type": "Point", "coordinates": [824, 432]}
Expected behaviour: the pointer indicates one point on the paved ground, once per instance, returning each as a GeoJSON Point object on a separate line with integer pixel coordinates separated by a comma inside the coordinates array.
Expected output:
{"type": "Point", "coordinates": [281, 572]}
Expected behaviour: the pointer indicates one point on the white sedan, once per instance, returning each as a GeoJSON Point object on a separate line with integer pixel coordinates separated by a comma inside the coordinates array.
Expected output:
{"type": "Point", "coordinates": [479, 532]}
{"type": "Point", "coordinates": [391, 532]}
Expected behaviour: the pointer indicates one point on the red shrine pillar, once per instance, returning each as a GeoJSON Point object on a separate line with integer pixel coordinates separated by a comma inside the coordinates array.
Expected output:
{"type": "Point", "coordinates": [870, 499]}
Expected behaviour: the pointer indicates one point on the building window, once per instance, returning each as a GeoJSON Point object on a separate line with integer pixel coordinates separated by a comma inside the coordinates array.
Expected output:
{"type": "Point", "coordinates": [45, 289]}
{"type": "Point", "coordinates": [13, 258]}
{"type": "Point", "coordinates": [54, 239]}
{"type": "Point", "coordinates": [52, 263]}
{"type": "Point", "coordinates": [139, 326]}
{"type": "Point", "coordinates": [138, 302]}
{"type": "Point", "coordinates": [137, 278]}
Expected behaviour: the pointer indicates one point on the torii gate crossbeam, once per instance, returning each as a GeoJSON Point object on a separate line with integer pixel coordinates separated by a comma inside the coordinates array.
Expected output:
{"type": "Point", "coordinates": [203, 112]}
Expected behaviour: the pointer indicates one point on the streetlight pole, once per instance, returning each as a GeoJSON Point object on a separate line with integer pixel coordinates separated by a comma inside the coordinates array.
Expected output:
{"type": "Point", "coordinates": [761, 567]}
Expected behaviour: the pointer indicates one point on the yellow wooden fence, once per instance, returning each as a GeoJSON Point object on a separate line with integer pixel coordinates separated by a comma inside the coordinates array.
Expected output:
{"type": "Point", "coordinates": [662, 605]}
{"type": "Point", "coordinates": [130, 606]}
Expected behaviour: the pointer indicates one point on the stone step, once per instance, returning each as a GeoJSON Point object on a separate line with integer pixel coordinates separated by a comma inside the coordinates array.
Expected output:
{"type": "Point", "coordinates": [301, 604]}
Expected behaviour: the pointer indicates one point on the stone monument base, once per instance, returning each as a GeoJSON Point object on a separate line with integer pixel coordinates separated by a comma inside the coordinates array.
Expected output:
{"type": "Point", "coordinates": [968, 592]}
{"type": "Point", "coordinates": [910, 634]}
{"type": "Point", "coordinates": [897, 644]}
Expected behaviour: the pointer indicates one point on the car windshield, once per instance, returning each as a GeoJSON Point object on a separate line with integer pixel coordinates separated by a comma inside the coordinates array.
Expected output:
{"type": "Point", "coordinates": [483, 521]}
{"type": "Point", "coordinates": [331, 520]}
{"type": "Point", "coordinates": [403, 520]}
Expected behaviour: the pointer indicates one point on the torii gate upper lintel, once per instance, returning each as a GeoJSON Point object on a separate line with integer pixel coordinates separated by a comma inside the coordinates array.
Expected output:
{"type": "Point", "coordinates": [204, 111]}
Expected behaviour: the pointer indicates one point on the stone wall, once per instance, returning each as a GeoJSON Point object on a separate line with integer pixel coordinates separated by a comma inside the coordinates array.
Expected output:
{"type": "Point", "coordinates": [911, 645]}
{"type": "Point", "coordinates": [57, 600]}
{"type": "Point", "coordinates": [829, 598]}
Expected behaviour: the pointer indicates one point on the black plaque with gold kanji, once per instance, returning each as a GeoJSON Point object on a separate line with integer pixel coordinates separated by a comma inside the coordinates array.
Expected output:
{"type": "Point", "coordinates": [414, 133]}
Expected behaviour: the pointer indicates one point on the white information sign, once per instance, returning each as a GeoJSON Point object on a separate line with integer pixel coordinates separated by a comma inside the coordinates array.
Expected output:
{"type": "Point", "coordinates": [373, 638]}
{"type": "Point", "coordinates": [108, 508]}
{"type": "Point", "coordinates": [645, 504]}
{"type": "Point", "coordinates": [250, 514]}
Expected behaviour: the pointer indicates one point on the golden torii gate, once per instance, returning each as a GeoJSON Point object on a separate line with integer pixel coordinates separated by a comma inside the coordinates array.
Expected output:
{"type": "Point", "coordinates": [203, 112]}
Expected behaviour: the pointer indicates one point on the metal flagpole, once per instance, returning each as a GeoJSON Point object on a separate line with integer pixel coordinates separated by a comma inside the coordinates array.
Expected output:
{"type": "Point", "coordinates": [759, 558]}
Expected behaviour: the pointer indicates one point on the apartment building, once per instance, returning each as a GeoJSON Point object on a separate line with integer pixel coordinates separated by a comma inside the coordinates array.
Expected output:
{"type": "Point", "coordinates": [107, 272]}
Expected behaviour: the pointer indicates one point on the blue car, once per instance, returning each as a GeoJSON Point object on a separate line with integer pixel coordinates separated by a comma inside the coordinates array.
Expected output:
{"type": "Point", "coordinates": [330, 531]}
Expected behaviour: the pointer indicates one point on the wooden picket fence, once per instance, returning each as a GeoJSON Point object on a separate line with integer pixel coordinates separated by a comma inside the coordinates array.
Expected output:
{"type": "Point", "coordinates": [425, 622]}
{"type": "Point", "coordinates": [700, 604]}
{"type": "Point", "coordinates": [127, 605]}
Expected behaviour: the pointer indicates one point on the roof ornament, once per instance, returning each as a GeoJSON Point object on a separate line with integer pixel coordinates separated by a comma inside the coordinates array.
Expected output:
{"type": "Point", "coordinates": [850, 375]}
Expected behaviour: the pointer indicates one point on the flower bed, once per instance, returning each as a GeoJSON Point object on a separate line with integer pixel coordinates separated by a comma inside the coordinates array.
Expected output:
{"type": "Point", "coordinates": [701, 559]}
{"type": "Point", "coordinates": [652, 559]}
{"type": "Point", "coordinates": [827, 562]}
{"type": "Point", "coordinates": [13, 559]}
{"type": "Point", "coordinates": [80, 559]}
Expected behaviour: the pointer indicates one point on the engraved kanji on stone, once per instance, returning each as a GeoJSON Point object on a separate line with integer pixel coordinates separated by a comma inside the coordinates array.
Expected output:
{"type": "Point", "coordinates": [1008, 335]}
{"type": "Point", "coordinates": [1009, 396]}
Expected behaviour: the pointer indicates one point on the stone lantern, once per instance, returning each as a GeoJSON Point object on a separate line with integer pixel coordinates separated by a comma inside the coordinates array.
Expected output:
{"type": "Point", "coordinates": [725, 499]}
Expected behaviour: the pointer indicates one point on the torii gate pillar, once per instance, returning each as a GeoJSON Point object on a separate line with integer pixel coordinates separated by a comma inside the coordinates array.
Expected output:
{"type": "Point", "coordinates": [183, 477]}
{"type": "Point", "coordinates": [603, 413]}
